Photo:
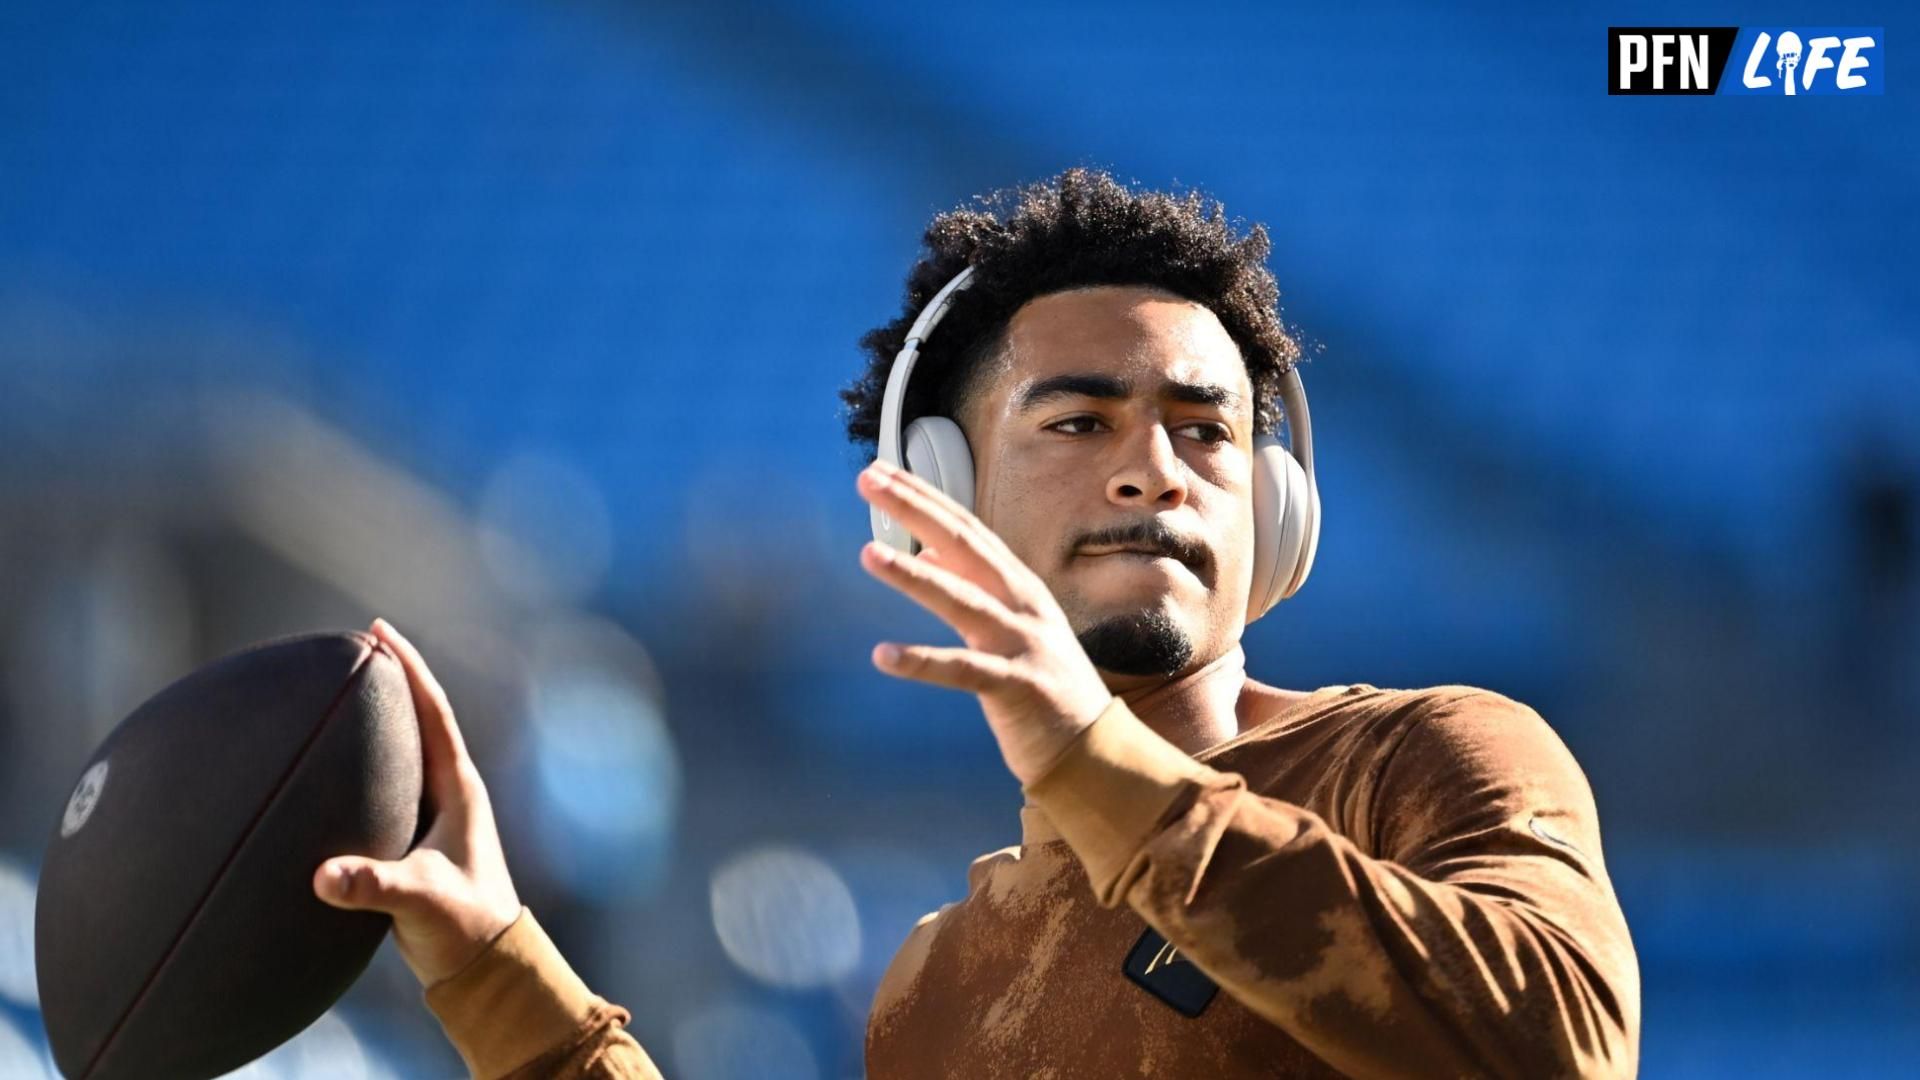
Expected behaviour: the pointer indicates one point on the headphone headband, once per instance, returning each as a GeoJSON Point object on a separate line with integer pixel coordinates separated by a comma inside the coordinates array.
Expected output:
{"type": "Point", "coordinates": [894, 400]}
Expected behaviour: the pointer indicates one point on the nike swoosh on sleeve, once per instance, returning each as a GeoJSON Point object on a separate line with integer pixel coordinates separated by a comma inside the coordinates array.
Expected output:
{"type": "Point", "coordinates": [1539, 830]}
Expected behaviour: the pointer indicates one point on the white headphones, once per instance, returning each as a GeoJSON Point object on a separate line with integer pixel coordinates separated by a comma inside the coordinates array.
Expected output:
{"type": "Point", "coordinates": [1286, 501]}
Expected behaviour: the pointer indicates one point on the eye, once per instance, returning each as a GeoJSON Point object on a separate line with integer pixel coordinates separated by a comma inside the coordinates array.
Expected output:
{"type": "Point", "coordinates": [1211, 434]}
{"type": "Point", "coordinates": [1092, 424]}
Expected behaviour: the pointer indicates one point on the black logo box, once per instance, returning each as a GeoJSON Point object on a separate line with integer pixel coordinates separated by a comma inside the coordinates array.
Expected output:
{"type": "Point", "coordinates": [1719, 41]}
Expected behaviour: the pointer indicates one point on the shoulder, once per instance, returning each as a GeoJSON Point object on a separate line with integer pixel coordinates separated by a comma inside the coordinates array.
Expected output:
{"type": "Point", "coordinates": [1451, 712]}
{"type": "Point", "coordinates": [1469, 761]}
{"type": "Point", "coordinates": [1435, 741]}
{"type": "Point", "coordinates": [1359, 740]}
{"type": "Point", "coordinates": [1448, 704]}
{"type": "Point", "coordinates": [1381, 719]}
{"type": "Point", "coordinates": [1471, 728]}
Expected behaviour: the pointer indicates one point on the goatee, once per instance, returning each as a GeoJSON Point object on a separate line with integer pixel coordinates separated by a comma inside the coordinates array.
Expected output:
{"type": "Point", "coordinates": [1143, 643]}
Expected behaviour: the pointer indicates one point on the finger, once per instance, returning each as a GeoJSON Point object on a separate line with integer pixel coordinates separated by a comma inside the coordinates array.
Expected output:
{"type": "Point", "coordinates": [441, 746]}
{"type": "Point", "coordinates": [952, 667]}
{"type": "Point", "coordinates": [1017, 584]}
{"type": "Point", "coordinates": [988, 539]}
{"type": "Point", "coordinates": [935, 520]}
{"type": "Point", "coordinates": [1022, 592]}
{"type": "Point", "coordinates": [970, 610]}
{"type": "Point", "coordinates": [360, 884]}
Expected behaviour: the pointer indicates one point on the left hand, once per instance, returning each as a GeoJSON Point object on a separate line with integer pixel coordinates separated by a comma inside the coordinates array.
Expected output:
{"type": "Point", "coordinates": [1021, 656]}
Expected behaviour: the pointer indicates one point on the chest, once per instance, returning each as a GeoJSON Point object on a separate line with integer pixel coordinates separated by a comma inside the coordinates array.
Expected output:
{"type": "Point", "coordinates": [1029, 977]}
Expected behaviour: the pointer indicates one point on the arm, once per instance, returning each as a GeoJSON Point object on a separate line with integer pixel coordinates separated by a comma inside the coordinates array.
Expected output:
{"type": "Point", "coordinates": [506, 997]}
{"type": "Point", "coordinates": [1485, 940]}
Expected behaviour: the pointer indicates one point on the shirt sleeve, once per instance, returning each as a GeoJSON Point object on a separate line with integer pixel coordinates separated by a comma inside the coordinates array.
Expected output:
{"type": "Point", "coordinates": [519, 1011]}
{"type": "Point", "coordinates": [1482, 937]}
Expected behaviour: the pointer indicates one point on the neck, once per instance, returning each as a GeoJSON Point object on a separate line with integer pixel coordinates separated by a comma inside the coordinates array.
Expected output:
{"type": "Point", "coordinates": [1192, 710]}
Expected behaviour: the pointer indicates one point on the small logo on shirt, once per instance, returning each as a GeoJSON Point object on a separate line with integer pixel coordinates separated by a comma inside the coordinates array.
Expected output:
{"type": "Point", "coordinates": [1156, 966]}
{"type": "Point", "coordinates": [1540, 830]}
{"type": "Point", "coordinates": [1167, 955]}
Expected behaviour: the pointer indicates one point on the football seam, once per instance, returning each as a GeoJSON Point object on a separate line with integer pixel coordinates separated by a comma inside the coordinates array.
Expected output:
{"type": "Point", "coordinates": [226, 864]}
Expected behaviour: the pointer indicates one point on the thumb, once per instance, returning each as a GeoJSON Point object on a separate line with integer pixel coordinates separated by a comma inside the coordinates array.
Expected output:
{"type": "Point", "coordinates": [360, 884]}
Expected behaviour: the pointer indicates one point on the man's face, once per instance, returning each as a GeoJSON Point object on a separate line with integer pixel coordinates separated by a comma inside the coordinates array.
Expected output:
{"type": "Point", "coordinates": [1113, 453]}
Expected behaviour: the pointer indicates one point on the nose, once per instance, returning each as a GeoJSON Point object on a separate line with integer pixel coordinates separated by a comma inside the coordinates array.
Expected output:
{"type": "Point", "coordinates": [1151, 477]}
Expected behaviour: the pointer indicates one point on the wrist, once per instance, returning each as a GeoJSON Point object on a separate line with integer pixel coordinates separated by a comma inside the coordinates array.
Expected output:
{"type": "Point", "coordinates": [1059, 733]}
{"type": "Point", "coordinates": [439, 944]}
{"type": "Point", "coordinates": [1110, 791]}
{"type": "Point", "coordinates": [475, 945]}
{"type": "Point", "coordinates": [522, 976]}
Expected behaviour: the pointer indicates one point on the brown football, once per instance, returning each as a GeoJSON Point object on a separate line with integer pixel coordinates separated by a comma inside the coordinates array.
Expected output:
{"type": "Point", "coordinates": [176, 932]}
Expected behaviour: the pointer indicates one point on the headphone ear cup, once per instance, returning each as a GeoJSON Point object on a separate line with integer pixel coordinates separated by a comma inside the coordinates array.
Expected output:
{"type": "Point", "coordinates": [936, 450]}
{"type": "Point", "coordinates": [1310, 543]}
{"type": "Point", "coordinates": [1281, 525]}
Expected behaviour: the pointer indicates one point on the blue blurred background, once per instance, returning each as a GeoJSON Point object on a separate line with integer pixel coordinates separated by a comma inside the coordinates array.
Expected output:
{"type": "Point", "coordinates": [520, 323]}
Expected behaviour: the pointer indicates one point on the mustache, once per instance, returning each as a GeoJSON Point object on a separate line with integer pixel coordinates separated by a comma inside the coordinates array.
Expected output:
{"type": "Point", "coordinates": [1151, 534]}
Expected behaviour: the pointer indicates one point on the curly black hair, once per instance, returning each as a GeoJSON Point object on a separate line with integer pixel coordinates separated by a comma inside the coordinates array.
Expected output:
{"type": "Point", "coordinates": [1082, 228]}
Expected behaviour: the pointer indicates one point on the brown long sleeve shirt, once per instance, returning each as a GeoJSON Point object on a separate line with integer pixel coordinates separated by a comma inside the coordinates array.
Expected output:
{"type": "Point", "coordinates": [1365, 882]}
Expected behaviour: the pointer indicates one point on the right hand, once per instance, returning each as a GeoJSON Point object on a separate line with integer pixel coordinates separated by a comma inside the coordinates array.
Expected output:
{"type": "Point", "coordinates": [451, 896]}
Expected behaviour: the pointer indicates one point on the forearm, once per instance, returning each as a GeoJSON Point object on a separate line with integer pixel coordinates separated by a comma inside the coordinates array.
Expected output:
{"type": "Point", "coordinates": [519, 1011]}
{"type": "Point", "coordinates": [1378, 970]}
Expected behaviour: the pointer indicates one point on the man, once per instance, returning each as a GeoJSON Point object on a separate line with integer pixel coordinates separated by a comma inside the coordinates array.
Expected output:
{"type": "Point", "coordinates": [1215, 877]}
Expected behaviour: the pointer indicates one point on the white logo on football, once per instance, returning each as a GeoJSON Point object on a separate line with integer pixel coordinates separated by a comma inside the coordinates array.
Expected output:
{"type": "Point", "coordinates": [85, 797]}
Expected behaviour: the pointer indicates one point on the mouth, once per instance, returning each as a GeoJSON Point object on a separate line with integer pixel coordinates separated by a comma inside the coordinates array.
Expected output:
{"type": "Point", "coordinates": [1140, 554]}
{"type": "Point", "coordinates": [1154, 552]}
{"type": "Point", "coordinates": [1145, 546]}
